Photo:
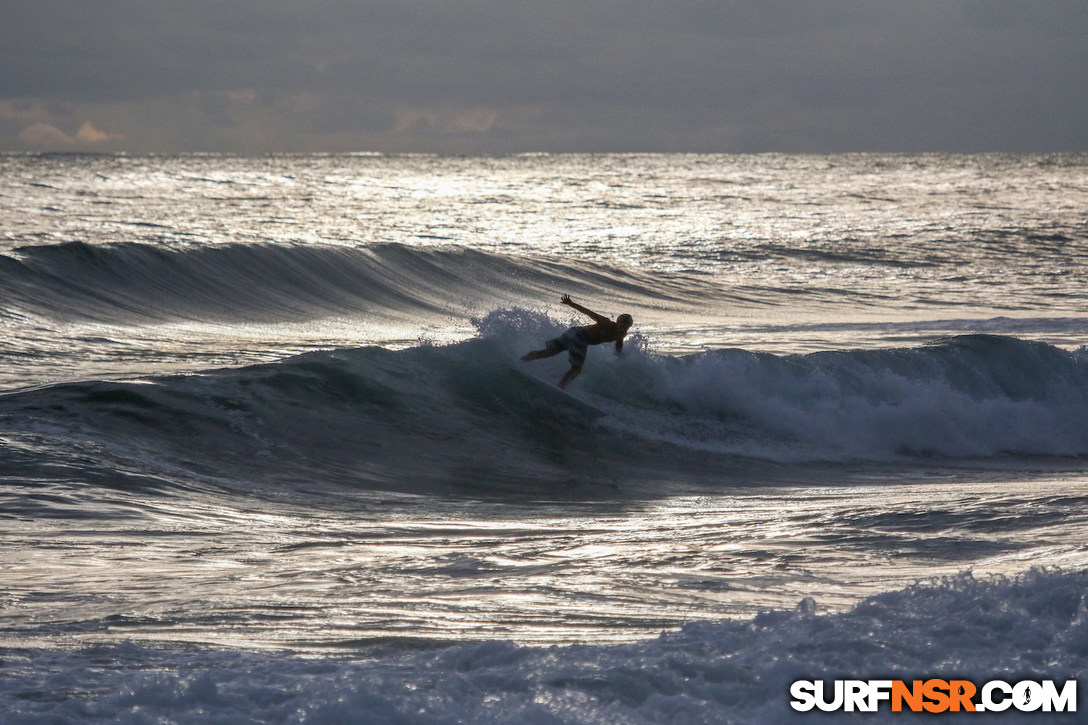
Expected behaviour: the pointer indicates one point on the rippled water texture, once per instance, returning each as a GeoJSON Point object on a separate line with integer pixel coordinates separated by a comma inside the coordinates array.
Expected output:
{"type": "Point", "coordinates": [250, 405]}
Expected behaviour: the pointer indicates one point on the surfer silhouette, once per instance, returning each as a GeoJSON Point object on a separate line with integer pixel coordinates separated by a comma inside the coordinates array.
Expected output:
{"type": "Point", "coordinates": [576, 340]}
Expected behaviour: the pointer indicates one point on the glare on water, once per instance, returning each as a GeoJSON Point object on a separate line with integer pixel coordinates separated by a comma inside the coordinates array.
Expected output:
{"type": "Point", "coordinates": [537, 573]}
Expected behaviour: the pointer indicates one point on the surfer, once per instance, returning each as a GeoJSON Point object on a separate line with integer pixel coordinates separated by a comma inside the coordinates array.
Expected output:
{"type": "Point", "coordinates": [577, 339]}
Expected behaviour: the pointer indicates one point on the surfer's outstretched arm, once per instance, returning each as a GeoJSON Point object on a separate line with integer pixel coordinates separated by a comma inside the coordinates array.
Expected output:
{"type": "Point", "coordinates": [566, 300]}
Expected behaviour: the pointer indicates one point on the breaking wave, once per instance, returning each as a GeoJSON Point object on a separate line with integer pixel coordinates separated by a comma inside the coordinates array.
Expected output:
{"type": "Point", "coordinates": [1034, 626]}
{"type": "Point", "coordinates": [471, 415]}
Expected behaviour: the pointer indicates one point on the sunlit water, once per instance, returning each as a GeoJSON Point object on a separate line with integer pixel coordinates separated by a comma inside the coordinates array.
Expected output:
{"type": "Point", "coordinates": [537, 573]}
{"type": "Point", "coordinates": [849, 374]}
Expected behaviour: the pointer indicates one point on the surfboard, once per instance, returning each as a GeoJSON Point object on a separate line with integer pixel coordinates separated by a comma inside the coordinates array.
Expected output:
{"type": "Point", "coordinates": [569, 400]}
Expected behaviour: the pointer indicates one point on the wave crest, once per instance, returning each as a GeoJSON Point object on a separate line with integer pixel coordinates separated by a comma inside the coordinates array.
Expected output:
{"type": "Point", "coordinates": [469, 415]}
{"type": "Point", "coordinates": [274, 282]}
{"type": "Point", "coordinates": [964, 397]}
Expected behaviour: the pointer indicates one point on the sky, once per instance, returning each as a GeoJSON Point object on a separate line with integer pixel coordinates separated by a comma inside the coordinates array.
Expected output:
{"type": "Point", "coordinates": [511, 76]}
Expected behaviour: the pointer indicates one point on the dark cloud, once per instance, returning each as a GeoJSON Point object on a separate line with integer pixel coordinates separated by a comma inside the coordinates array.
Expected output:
{"type": "Point", "coordinates": [827, 75]}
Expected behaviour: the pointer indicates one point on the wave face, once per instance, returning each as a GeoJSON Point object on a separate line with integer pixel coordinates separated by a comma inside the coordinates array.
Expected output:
{"type": "Point", "coordinates": [413, 420]}
{"type": "Point", "coordinates": [136, 282]}
{"type": "Point", "coordinates": [471, 415]}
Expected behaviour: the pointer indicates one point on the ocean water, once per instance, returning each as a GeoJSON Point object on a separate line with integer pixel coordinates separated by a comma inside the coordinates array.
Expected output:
{"type": "Point", "coordinates": [268, 452]}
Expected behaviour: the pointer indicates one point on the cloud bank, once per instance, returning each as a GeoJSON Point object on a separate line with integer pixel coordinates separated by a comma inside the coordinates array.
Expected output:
{"type": "Point", "coordinates": [494, 77]}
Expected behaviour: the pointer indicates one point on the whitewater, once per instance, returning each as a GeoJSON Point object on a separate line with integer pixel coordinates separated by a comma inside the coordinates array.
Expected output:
{"type": "Point", "coordinates": [268, 452]}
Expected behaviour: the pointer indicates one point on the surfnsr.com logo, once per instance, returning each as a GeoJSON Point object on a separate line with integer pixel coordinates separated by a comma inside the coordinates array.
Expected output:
{"type": "Point", "coordinates": [934, 696]}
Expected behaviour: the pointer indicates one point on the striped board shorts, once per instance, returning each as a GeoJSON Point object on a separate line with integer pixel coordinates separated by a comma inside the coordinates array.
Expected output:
{"type": "Point", "coordinates": [574, 342]}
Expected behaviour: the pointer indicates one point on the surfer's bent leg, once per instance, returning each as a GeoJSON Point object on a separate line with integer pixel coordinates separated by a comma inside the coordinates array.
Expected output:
{"type": "Point", "coordinates": [551, 347]}
{"type": "Point", "coordinates": [576, 352]}
{"type": "Point", "coordinates": [571, 375]}
{"type": "Point", "coordinates": [575, 343]}
{"type": "Point", "coordinates": [576, 346]}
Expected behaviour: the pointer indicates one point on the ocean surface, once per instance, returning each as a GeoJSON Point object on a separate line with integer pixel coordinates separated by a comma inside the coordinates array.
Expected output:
{"type": "Point", "coordinates": [268, 453]}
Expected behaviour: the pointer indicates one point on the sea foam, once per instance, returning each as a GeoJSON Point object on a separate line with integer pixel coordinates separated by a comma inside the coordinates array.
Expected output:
{"type": "Point", "coordinates": [1034, 626]}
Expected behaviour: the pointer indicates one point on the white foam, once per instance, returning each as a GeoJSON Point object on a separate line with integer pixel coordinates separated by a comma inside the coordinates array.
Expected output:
{"type": "Point", "coordinates": [970, 397]}
{"type": "Point", "coordinates": [1033, 626]}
